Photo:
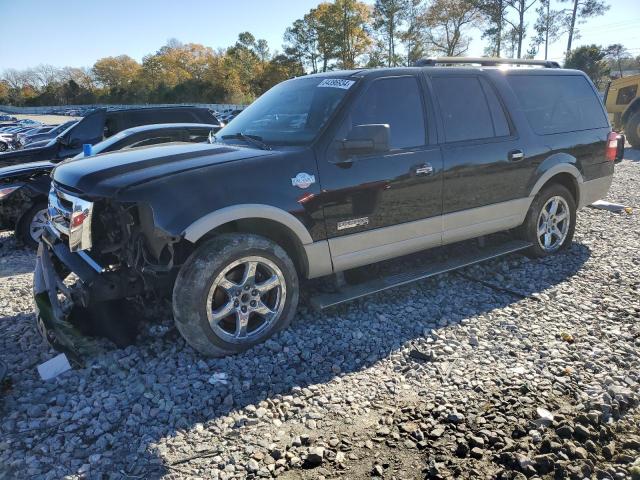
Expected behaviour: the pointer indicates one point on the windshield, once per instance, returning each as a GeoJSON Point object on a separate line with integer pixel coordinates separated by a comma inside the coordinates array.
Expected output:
{"type": "Point", "coordinates": [291, 113]}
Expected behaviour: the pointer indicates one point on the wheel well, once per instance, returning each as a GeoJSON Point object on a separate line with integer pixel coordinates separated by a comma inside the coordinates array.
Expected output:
{"type": "Point", "coordinates": [568, 181]}
{"type": "Point", "coordinates": [270, 229]}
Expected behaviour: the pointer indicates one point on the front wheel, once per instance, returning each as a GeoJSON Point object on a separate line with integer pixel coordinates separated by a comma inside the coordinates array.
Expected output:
{"type": "Point", "coordinates": [551, 221]}
{"type": "Point", "coordinates": [234, 291]}
{"type": "Point", "coordinates": [31, 225]}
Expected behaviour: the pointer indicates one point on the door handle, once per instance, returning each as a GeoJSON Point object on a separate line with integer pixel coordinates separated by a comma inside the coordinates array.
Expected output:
{"type": "Point", "coordinates": [424, 170]}
{"type": "Point", "coordinates": [516, 155]}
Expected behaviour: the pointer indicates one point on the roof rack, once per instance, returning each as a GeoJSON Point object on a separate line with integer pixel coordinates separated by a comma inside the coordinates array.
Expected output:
{"type": "Point", "coordinates": [484, 61]}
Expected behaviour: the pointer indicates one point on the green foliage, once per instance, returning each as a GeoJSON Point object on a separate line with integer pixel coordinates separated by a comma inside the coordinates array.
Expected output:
{"type": "Point", "coordinates": [590, 59]}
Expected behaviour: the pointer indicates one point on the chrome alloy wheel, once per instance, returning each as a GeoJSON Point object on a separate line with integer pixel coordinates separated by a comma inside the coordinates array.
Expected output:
{"type": "Point", "coordinates": [38, 222]}
{"type": "Point", "coordinates": [553, 224]}
{"type": "Point", "coordinates": [246, 297]}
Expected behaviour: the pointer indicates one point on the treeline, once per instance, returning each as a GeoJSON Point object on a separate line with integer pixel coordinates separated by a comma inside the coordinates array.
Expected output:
{"type": "Point", "coordinates": [341, 34]}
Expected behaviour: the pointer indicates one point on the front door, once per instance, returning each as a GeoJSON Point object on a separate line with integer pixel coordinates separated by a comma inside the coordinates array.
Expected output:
{"type": "Point", "coordinates": [381, 205]}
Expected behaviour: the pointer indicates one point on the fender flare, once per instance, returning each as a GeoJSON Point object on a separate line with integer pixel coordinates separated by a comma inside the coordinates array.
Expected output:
{"type": "Point", "coordinates": [555, 170]}
{"type": "Point", "coordinates": [204, 225]}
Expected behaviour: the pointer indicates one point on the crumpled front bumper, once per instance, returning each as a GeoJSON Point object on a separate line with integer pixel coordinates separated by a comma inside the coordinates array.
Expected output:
{"type": "Point", "coordinates": [52, 320]}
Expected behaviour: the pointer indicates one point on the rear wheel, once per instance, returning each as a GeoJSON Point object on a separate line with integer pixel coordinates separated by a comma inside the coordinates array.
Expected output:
{"type": "Point", "coordinates": [551, 221]}
{"type": "Point", "coordinates": [632, 129]}
{"type": "Point", "coordinates": [31, 225]}
{"type": "Point", "coordinates": [233, 292]}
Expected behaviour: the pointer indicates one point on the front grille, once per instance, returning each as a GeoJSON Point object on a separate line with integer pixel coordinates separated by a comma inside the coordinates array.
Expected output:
{"type": "Point", "coordinates": [60, 210]}
{"type": "Point", "coordinates": [70, 218]}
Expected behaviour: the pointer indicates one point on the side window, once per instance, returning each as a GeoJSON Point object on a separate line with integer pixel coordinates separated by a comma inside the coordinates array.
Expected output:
{"type": "Point", "coordinates": [626, 94]}
{"type": "Point", "coordinates": [558, 103]}
{"type": "Point", "coordinates": [397, 102]}
{"type": "Point", "coordinates": [464, 108]}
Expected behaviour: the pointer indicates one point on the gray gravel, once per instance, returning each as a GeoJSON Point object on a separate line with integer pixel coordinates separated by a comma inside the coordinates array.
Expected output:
{"type": "Point", "coordinates": [446, 378]}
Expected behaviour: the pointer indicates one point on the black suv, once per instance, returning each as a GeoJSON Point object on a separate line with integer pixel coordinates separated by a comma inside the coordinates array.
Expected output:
{"type": "Point", "coordinates": [322, 174]}
{"type": "Point", "coordinates": [102, 123]}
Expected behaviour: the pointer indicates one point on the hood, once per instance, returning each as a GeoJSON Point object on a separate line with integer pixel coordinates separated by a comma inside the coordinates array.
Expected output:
{"type": "Point", "coordinates": [106, 174]}
{"type": "Point", "coordinates": [25, 170]}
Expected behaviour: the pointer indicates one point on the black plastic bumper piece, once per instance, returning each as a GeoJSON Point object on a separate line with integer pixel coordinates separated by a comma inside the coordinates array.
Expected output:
{"type": "Point", "coordinates": [51, 320]}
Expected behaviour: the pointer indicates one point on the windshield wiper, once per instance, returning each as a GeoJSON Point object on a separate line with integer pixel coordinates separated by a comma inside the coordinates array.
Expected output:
{"type": "Point", "coordinates": [252, 139]}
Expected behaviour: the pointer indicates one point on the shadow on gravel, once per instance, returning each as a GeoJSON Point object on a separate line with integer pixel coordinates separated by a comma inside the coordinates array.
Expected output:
{"type": "Point", "coordinates": [161, 387]}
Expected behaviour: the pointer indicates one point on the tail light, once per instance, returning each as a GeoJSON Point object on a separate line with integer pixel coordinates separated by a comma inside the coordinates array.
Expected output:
{"type": "Point", "coordinates": [612, 146]}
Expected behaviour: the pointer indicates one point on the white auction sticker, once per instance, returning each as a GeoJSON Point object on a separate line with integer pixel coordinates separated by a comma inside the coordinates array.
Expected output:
{"type": "Point", "coordinates": [336, 83]}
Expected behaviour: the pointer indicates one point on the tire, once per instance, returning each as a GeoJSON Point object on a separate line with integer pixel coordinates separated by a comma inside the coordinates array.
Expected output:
{"type": "Point", "coordinates": [199, 295]}
{"type": "Point", "coordinates": [632, 129]}
{"type": "Point", "coordinates": [529, 230]}
{"type": "Point", "coordinates": [30, 225]}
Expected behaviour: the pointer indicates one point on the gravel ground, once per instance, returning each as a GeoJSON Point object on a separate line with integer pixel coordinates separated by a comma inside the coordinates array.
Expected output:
{"type": "Point", "coordinates": [446, 378]}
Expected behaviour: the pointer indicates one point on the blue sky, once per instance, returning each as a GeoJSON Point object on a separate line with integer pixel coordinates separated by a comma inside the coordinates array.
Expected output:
{"type": "Point", "coordinates": [78, 32]}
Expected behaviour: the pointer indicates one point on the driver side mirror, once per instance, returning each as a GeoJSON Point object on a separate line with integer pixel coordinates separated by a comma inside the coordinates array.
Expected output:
{"type": "Point", "coordinates": [363, 139]}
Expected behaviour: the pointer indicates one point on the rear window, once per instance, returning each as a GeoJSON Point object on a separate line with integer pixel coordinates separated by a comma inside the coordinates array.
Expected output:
{"type": "Point", "coordinates": [558, 103]}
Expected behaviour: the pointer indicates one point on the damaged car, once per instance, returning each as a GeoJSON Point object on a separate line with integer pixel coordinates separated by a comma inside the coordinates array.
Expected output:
{"type": "Point", "coordinates": [322, 174]}
{"type": "Point", "coordinates": [24, 188]}
{"type": "Point", "coordinates": [101, 124]}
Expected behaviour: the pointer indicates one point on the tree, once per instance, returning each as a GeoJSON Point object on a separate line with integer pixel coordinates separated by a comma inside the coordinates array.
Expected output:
{"type": "Point", "coordinates": [413, 38]}
{"type": "Point", "coordinates": [301, 42]}
{"type": "Point", "coordinates": [494, 12]}
{"type": "Point", "coordinates": [549, 26]}
{"type": "Point", "coordinates": [447, 21]}
{"type": "Point", "coordinates": [519, 27]}
{"type": "Point", "coordinates": [616, 53]}
{"type": "Point", "coordinates": [353, 29]}
{"type": "Point", "coordinates": [387, 18]}
{"type": "Point", "coordinates": [589, 59]}
{"type": "Point", "coordinates": [580, 12]}
{"type": "Point", "coordinates": [116, 72]}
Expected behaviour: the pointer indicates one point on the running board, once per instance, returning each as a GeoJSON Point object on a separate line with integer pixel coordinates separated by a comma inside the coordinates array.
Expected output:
{"type": "Point", "coordinates": [353, 292]}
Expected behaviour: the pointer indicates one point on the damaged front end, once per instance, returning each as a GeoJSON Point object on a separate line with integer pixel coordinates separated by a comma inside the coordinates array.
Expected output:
{"type": "Point", "coordinates": [94, 256]}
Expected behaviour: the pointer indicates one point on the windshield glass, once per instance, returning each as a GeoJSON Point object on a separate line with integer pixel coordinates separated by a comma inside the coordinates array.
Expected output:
{"type": "Point", "coordinates": [292, 112]}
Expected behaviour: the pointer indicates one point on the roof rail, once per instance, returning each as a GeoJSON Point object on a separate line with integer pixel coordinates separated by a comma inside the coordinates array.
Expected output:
{"type": "Point", "coordinates": [484, 61]}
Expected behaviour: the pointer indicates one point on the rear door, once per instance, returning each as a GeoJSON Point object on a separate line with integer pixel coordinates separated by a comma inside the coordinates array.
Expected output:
{"type": "Point", "coordinates": [486, 167]}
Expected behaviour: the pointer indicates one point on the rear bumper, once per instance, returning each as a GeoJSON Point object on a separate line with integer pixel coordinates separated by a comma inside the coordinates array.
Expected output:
{"type": "Point", "coordinates": [593, 190]}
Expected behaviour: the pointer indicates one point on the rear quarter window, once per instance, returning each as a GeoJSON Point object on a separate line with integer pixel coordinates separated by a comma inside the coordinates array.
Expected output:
{"type": "Point", "coordinates": [558, 103]}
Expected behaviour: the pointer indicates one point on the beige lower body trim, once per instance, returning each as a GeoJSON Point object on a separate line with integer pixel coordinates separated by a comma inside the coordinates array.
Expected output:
{"type": "Point", "coordinates": [593, 190]}
{"type": "Point", "coordinates": [318, 259]}
{"type": "Point", "coordinates": [372, 246]}
{"type": "Point", "coordinates": [475, 222]}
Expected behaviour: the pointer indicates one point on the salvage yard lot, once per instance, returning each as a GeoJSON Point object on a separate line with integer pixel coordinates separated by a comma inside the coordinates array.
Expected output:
{"type": "Point", "coordinates": [447, 377]}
